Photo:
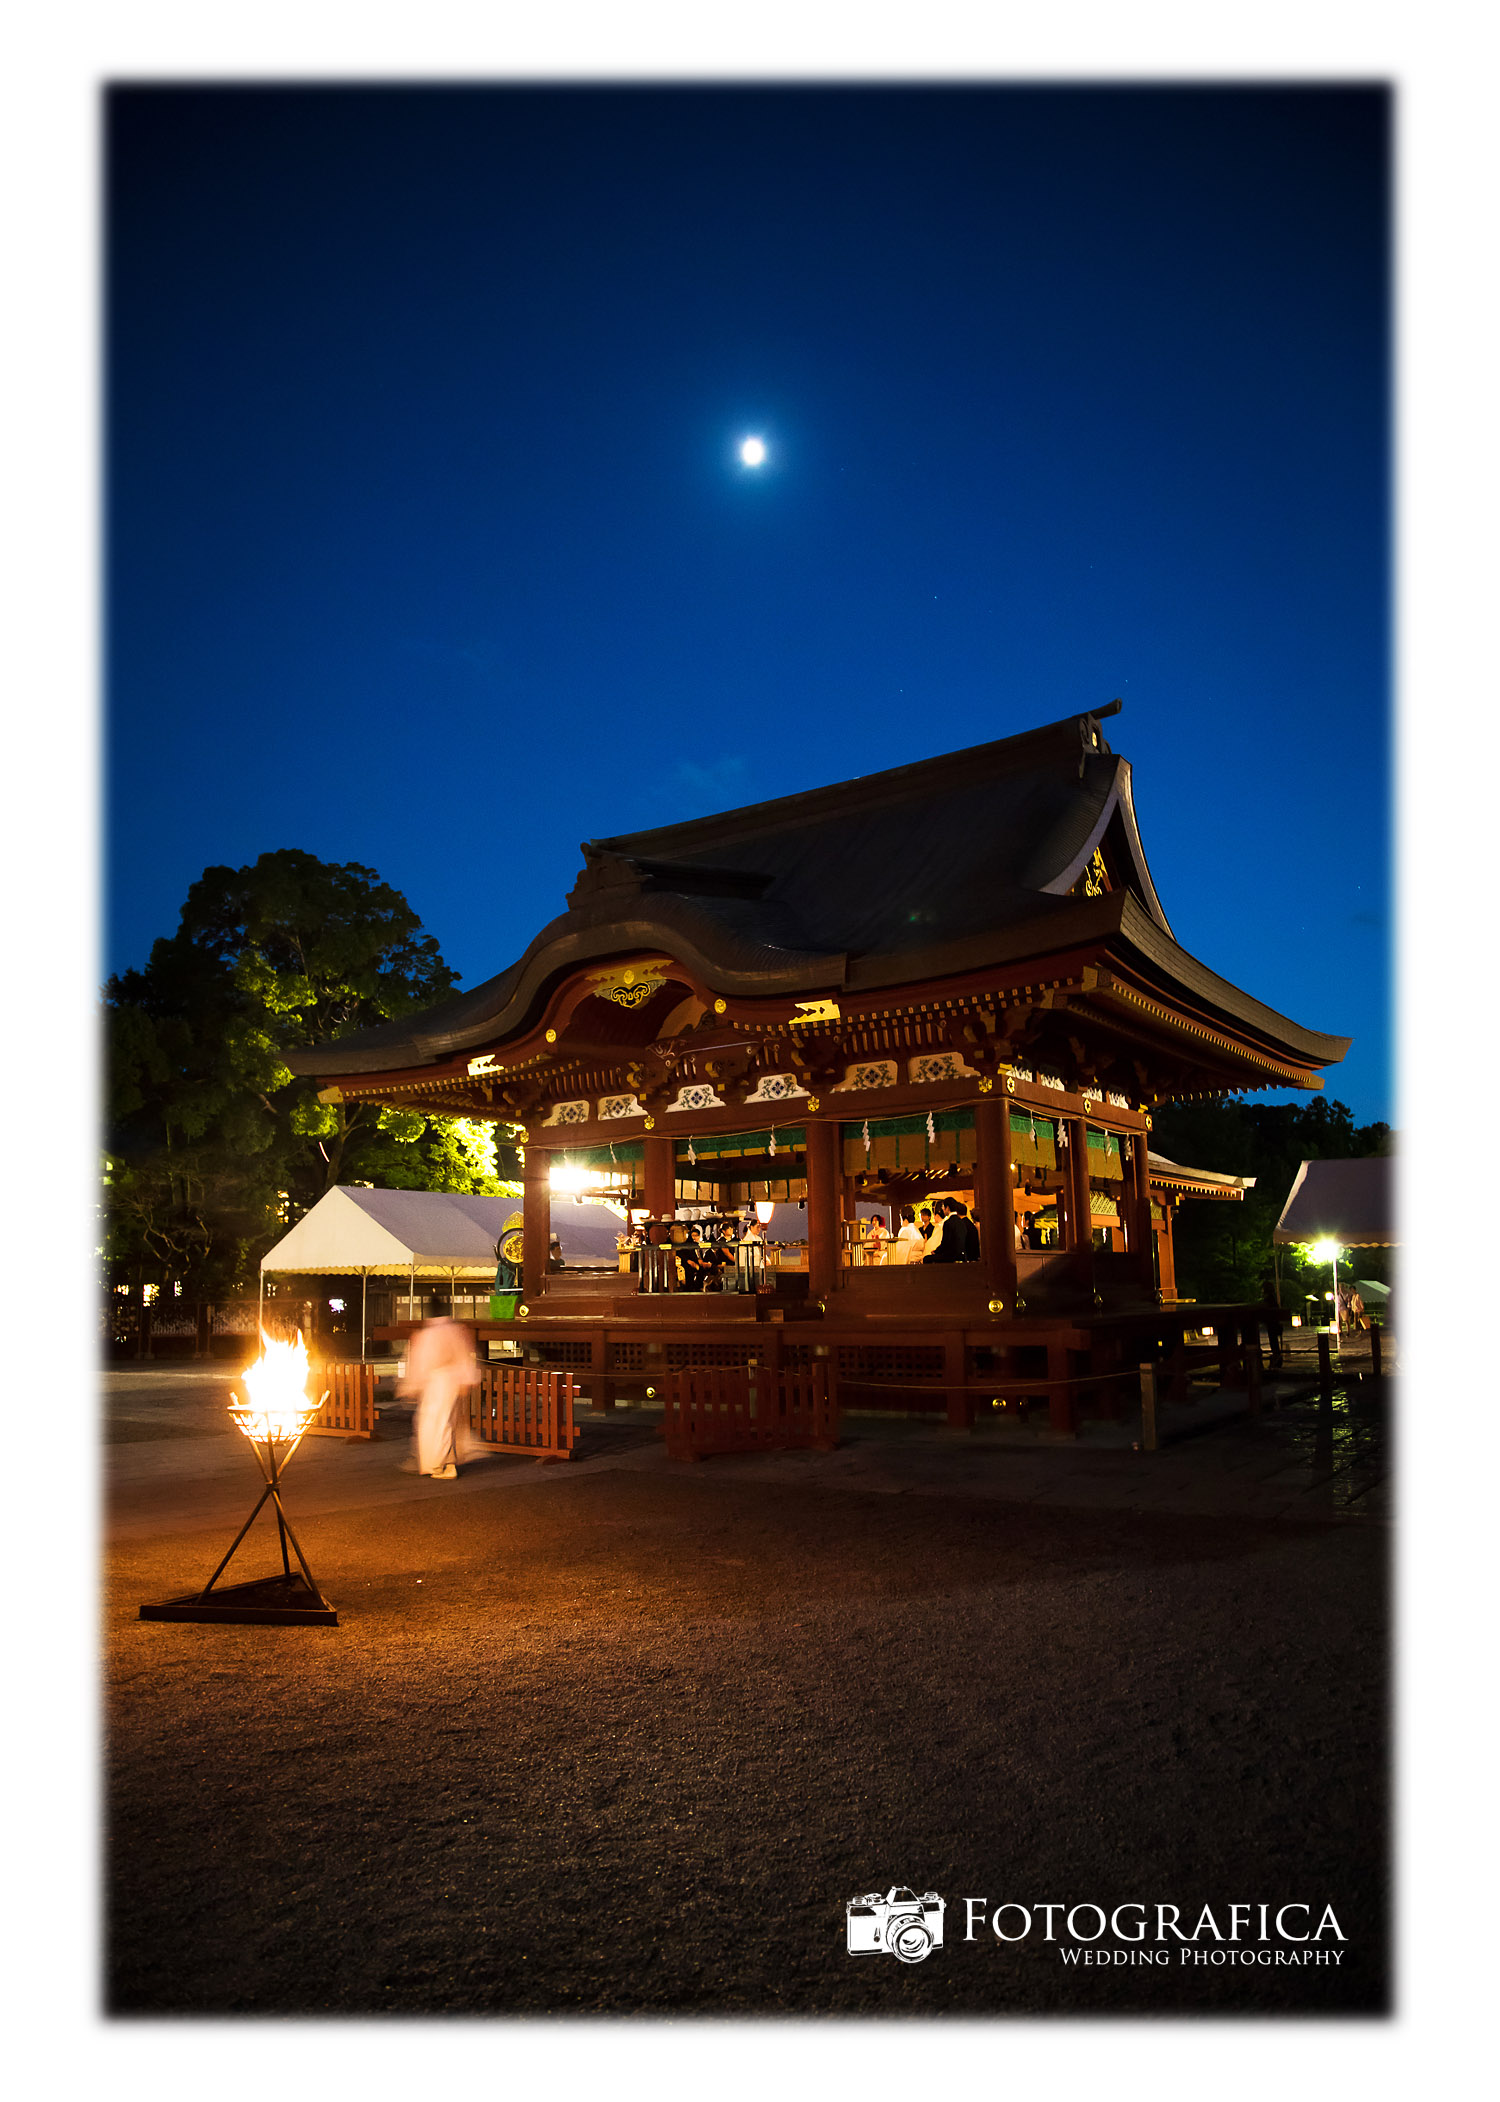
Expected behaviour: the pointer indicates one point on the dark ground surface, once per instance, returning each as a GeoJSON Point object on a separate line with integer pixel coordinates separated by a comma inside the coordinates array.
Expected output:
{"type": "Point", "coordinates": [628, 1741]}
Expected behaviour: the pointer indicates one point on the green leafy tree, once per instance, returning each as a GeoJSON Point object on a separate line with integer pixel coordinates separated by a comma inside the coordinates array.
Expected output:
{"type": "Point", "coordinates": [1225, 1251]}
{"type": "Point", "coordinates": [214, 1147]}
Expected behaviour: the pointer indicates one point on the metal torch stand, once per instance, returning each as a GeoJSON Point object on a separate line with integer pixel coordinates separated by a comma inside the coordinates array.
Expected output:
{"type": "Point", "coordinates": [288, 1600]}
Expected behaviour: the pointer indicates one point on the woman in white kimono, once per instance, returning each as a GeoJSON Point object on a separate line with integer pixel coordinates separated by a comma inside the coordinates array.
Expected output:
{"type": "Point", "coordinates": [908, 1246]}
{"type": "Point", "coordinates": [441, 1370]}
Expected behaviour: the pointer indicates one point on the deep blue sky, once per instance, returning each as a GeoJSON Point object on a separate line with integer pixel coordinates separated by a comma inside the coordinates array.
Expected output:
{"type": "Point", "coordinates": [428, 547]}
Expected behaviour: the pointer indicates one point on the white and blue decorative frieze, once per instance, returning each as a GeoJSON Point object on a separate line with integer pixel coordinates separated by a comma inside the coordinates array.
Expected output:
{"type": "Point", "coordinates": [875, 1072]}
{"type": "Point", "coordinates": [699, 1096]}
{"type": "Point", "coordinates": [776, 1087]}
{"type": "Point", "coordinates": [941, 1065]}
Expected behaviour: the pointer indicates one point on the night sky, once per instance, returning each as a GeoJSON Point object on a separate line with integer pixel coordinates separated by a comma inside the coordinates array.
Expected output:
{"type": "Point", "coordinates": [428, 545]}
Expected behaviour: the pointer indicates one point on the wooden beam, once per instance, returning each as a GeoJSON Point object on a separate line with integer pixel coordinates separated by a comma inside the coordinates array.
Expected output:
{"type": "Point", "coordinates": [824, 1173]}
{"type": "Point", "coordinates": [536, 1220]}
{"type": "Point", "coordinates": [1166, 1256]}
{"type": "Point", "coordinates": [1080, 1215]}
{"type": "Point", "coordinates": [659, 1175]}
{"type": "Point", "coordinates": [993, 1197]}
{"type": "Point", "coordinates": [1138, 1212]}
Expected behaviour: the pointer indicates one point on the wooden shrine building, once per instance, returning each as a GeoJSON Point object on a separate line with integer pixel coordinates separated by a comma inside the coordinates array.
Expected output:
{"type": "Point", "coordinates": [954, 976]}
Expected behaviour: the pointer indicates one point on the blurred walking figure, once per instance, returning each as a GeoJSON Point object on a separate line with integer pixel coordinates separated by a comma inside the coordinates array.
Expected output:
{"type": "Point", "coordinates": [441, 1370]}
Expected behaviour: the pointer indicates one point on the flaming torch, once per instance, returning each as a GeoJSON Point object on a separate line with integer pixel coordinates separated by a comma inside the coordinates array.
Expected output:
{"type": "Point", "coordinates": [273, 1415]}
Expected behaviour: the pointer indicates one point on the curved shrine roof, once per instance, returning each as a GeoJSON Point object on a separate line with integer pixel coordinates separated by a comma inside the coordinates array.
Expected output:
{"type": "Point", "coordinates": [917, 873]}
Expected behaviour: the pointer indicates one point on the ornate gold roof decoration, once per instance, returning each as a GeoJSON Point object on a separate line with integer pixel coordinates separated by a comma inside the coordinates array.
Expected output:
{"type": "Point", "coordinates": [1096, 877]}
{"type": "Point", "coordinates": [633, 986]}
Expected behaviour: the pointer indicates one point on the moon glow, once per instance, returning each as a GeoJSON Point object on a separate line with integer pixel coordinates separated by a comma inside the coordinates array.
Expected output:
{"type": "Point", "coordinates": [753, 452]}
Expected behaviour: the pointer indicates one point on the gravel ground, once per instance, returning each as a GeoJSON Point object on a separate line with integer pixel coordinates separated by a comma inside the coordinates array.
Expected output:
{"type": "Point", "coordinates": [630, 1744]}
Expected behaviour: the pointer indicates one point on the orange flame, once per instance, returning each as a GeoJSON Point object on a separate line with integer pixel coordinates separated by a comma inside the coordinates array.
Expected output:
{"type": "Point", "coordinates": [276, 1407]}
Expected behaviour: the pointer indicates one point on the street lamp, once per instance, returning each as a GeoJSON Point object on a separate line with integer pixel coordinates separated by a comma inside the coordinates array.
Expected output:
{"type": "Point", "coordinates": [273, 1417]}
{"type": "Point", "coordinates": [1328, 1252]}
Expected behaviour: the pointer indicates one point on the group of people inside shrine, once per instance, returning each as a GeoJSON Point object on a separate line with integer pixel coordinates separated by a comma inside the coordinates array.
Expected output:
{"type": "Point", "coordinates": [940, 1232]}
{"type": "Point", "coordinates": [943, 1231]}
{"type": "Point", "coordinates": [709, 1249]}
{"type": "Point", "coordinates": [703, 1255]}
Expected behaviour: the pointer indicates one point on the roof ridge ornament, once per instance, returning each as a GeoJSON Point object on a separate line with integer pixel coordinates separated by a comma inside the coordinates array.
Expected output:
{"type": "Point", "coordinates": [1091, 737]}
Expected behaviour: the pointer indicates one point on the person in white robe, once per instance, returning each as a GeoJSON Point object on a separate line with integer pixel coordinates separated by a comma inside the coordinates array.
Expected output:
{"type": "Point", "coordinates": [442, 1371]}
{"type": "Point", "coordinates": [908, 1246]}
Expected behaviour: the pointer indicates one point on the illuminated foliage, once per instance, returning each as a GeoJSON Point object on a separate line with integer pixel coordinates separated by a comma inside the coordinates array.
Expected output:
{"type": "Point", "coordinates": [215, 1148]}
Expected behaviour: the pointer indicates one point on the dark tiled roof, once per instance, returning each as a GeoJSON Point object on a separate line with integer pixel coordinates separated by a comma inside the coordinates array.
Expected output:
{"type": "Point", "coordinates": [920, 872]}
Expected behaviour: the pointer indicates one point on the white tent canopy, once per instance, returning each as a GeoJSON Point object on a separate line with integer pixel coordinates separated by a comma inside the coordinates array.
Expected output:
{"type": "Point", "coordinates": [428, 1233]}
{"type": "Point", "coordinates": [385, 1232]}
{"type": "Point", "coordinates": [424, 1233]}
{"type": "Point", "coordinates": [1348, 1201]}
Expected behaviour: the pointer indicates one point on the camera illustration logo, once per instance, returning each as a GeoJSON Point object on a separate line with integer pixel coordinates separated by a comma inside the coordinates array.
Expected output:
{"type": "Point", "coordinates": [900, 1924]}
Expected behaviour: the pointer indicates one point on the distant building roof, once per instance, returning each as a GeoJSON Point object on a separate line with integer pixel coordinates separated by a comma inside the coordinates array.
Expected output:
{"type": "Point", "coordinates": [1167, 1174]}
{"type": "Point", "coordinates": [1348, 1201]}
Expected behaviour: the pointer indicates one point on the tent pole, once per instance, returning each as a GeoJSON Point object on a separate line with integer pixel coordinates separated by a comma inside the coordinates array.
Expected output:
{"type": "Point", "coordinates": [364, 1301]}
{"type": "Point", "coordinates": [260, 1318]}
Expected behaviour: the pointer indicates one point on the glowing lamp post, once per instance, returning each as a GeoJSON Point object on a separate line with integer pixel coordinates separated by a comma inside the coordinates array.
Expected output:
{"type": "Point", "coordinates": [1328, 1252]}
{"type": "Point", "coordinates": [274, 1417]}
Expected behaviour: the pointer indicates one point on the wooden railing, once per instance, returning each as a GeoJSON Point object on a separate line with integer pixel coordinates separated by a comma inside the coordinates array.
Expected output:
{"type": "Point", "coordinates": [349, 1411]}
{"type": "Point", "coordinates": [707, 1409]}
{"type": "Point", "coordinates": [523, 1409]}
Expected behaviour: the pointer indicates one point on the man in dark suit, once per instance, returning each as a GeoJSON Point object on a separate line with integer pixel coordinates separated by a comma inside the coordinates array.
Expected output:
{"type": "Point", "coordinates": [952, 1242]}
{"type": "Point", "coordinates": [695, 1262]}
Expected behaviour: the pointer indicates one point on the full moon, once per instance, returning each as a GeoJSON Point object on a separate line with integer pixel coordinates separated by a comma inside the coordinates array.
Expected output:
{"type": "Point", "coordinates": [753, 452]}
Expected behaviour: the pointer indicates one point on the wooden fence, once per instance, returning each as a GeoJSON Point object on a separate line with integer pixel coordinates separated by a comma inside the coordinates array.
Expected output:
{"type": "Point", "coordinates": [349, 1411]}
{"type": "Point", "coordinates": [522, 1408]}
{"type": "Point", "coordinates": [708, 1409]}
